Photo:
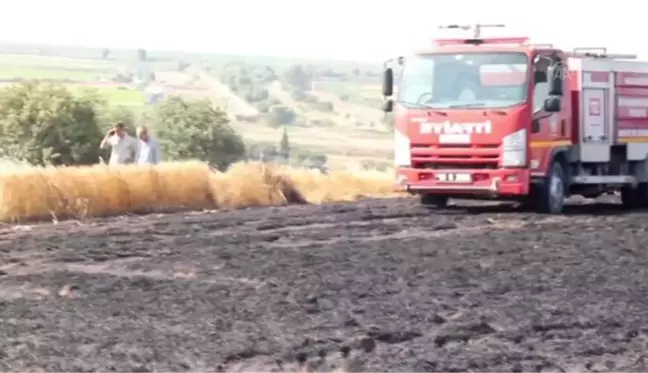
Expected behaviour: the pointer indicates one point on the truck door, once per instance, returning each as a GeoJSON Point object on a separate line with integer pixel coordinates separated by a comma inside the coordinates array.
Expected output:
{"type": "Point", "coordinates": [548, 130]}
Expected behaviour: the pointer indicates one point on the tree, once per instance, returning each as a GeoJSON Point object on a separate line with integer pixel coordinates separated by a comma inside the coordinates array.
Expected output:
{"type": "Point", "coordinates": [297, 77]}
{"type": "Point", "coordinates": [109, 115]}
{"type": "Point", "coordinates": [44, 123]}
{"type": "Point", "coordinates": [268, 75]}
{"type": "Point", "coordinates": [280, 115]}
{"type": "Point", "coordinates": [284, 145]}
{"type": "Point", "coordinates": [195, 130]}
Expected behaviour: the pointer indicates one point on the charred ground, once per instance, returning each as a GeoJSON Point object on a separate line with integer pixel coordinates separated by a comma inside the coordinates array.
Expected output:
{"type": "Point", "coordinates": [464, 289]}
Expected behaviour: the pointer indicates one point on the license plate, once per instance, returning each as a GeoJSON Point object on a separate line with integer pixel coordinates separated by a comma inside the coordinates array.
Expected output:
{"type": "Point", "coordinates": [454, 178]}
{"type": "Point", "coordinates": [454, 139]}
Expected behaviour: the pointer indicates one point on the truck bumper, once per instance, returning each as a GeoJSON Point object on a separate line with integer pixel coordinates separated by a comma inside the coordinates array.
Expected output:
{"type": "Point", "coordinates": [503, 182]}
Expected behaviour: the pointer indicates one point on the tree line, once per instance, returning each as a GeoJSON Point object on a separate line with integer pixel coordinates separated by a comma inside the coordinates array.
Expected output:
{"type": "Point", "coordinates": [44, 123]}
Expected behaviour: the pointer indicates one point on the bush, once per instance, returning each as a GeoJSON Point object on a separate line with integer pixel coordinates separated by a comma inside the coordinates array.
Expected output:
{"type": "Point", "coordinates": [325, 106]}
{"type": "Point", "coordinates": [375, 165]}
{"type": "Point", "coordinates": [298, 95]}
{"type": "Point", "coordinates": [256, 95]}
{"type": "Point", "coordinates": [325, 122]}
{"type": "Point", "coordinates": [267, 152]}
{"type": "Point", "coordinates": [308, 159]}
{"type": "Point", "coordinates": [280, 115]}
{"type": "Point", "coordinates": [263, 106]}
{"type": "Point", "coordinates": [302, 96]}
{"type": "Point", "coordinates": [195, 130]}
{"type": "Point", "coordinates": [44, 123]}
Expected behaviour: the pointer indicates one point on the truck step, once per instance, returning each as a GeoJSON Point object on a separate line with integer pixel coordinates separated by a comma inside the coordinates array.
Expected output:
{"type": "Point", "coordinates": [611, 179]}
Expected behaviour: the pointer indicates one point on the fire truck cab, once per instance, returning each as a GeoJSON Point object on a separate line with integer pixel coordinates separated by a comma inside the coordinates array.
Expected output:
{"type": "Point", "coordinates": [506, 119]}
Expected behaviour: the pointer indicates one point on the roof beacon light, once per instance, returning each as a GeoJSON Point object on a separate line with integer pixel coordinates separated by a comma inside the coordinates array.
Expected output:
{"type": "Point", "coordinates": [598, 53]}
{"type": "Point", "coordinates": [476, 27]}
{"type": "Point", "coordinates": [476, 35]}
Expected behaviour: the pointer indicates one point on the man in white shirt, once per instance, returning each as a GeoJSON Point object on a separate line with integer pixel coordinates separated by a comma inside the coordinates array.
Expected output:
{"type": "Point", "coordinates": [123, 146]}
{"type": "Point", "coordinates": [148, 149]}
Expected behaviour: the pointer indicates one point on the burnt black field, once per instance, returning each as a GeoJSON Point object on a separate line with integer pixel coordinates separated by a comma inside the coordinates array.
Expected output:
{"type": "Point", "coordinates": [473, 288]}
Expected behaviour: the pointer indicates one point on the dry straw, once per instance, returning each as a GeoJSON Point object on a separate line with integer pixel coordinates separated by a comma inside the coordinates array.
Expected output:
{"type": "Point", "coordinates": [77, 192]}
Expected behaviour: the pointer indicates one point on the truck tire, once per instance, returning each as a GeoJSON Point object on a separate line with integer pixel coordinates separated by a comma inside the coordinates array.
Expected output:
{"type": "Point", "coordinates": [635, 198]}
{"type": "Point", "coordinates": [434, 200]}
{"type": "Point", "coordinates": [550, 198]}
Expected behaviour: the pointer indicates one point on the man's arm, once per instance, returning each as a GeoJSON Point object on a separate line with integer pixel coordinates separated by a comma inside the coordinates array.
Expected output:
{"type": "Point", "coordinates": [106, 142]}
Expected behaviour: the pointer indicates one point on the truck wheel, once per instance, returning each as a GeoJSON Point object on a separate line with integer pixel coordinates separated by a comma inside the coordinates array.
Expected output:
{"type": "Point", "coordinates": [551, 195]}
{"type": "Point", "coordinates": [629, 197]}
{"type": "Point", "coordinates": [433, 200]}
{"type": "Point", "coordinates": [635, 198]}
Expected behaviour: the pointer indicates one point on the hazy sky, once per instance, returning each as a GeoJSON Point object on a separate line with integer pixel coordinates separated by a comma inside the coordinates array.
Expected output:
{"type": "Point", "coordinates": [336, 29]}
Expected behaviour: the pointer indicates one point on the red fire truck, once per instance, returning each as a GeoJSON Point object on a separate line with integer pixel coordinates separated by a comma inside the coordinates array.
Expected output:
{"type": "Point", "coordinates": [506, 119]}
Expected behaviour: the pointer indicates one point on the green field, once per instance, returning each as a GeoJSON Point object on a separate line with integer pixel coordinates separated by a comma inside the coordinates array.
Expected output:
{"type": "Point", "coordinates": [55, 62]}
{"type": "Point", "coordinates": [14, 72]}
{"type": "Point", "coordinates": [114, 95]}
{"type": "Point", "coordinates": [54, 68]}
{"type": "Point", "coordinates": [21, 66]}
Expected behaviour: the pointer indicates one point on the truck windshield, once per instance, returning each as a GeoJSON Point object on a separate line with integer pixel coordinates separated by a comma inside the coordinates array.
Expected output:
{"type": "Point", "coordinates": [468, 80]}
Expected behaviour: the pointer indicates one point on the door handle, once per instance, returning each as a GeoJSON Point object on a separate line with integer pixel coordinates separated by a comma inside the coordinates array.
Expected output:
{"type": "Point", "coordinates": [562, 127]}
{"type": "Point", "coordinates": [535, 126]}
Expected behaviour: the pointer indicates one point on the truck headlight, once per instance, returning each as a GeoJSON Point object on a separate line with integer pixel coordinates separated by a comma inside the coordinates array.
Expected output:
{"type": "Point", "coordinates": [514, 149]}
{"type": "Point", "coordinates": [402, 151]}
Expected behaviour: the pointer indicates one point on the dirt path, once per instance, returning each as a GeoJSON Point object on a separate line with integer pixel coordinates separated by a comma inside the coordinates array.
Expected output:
{"type": "Point", "coordinates": [472, 288]}
{"type": "Point", "coordinates": [275, 90]}
{"type": "Point", "coordinates": [235, 103]}
{"type": "Point", "coordinates": [205, 86]}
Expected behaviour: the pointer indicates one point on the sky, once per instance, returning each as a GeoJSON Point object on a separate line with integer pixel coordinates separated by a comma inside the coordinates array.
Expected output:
{"type": "Point", "coordinates": [369, 31]}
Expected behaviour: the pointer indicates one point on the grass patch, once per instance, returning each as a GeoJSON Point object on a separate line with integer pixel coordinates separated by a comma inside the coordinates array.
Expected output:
{"type": "Point", "coordinates": [14, 72]}
{"type": "Point", "coordinates": [43, 62]}
{"type": "Point", "coordinates": [119, 95]}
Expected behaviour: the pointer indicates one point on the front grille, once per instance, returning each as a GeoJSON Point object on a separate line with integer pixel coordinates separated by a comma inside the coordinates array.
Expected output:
{"type": "Point", "coordinates": [441, 157]}
{"type": "Point", "coordinates": [458, 166]}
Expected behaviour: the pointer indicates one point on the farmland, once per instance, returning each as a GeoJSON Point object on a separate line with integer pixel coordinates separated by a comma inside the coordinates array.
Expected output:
{"type": "Point", "coordinates": [473, 288]}
{"type": "Point", "coordinates": [54, 68]}
{"type": "Point", "coordinates": [77, 74]}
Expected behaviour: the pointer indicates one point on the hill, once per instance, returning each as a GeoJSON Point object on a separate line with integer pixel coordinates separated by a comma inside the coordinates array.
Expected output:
{"type": "Point", "coordinates": [330, 110]}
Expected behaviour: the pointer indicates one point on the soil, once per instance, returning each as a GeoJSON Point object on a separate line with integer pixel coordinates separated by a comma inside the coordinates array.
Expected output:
{"type": "Point", "coordinates": [469, 288]}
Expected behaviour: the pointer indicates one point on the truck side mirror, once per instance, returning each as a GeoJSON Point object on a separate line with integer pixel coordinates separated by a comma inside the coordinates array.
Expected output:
{"type": "Point", "coordinates": [552, 104]}
{"type": "Point", "coordinates": [555, 75]}
{"type": "Point", "coordinates": [388, 82]}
